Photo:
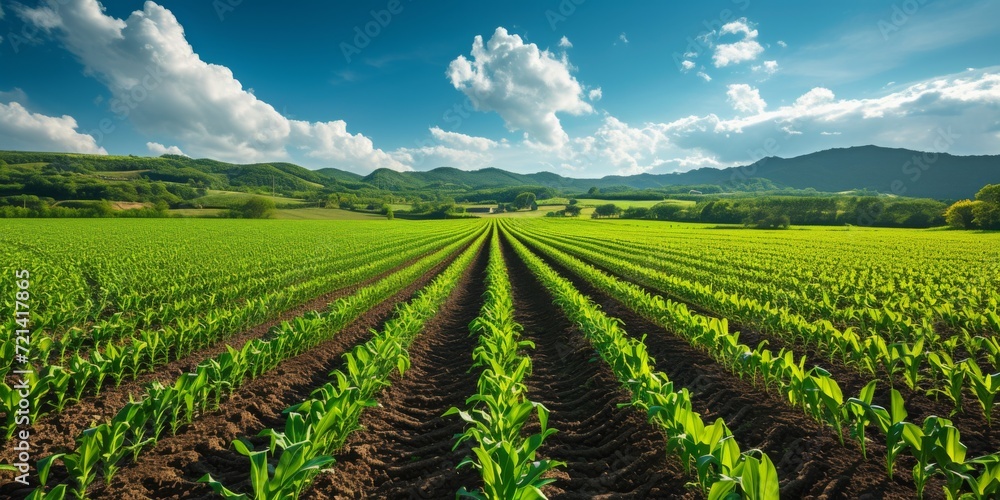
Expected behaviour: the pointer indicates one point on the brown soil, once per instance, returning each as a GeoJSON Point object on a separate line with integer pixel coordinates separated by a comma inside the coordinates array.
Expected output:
{"type": "Point", "coordinates": [171, 469]}
{"type": "Point", "coordinates": [56, 432]}
{"type": "Point", "coordinates": [610, 451]}
{"type": "Point", "coordinates": [405, 450]}
{"type": "Point", "coordinates": [980, 438]}
{"type": "Point", "coordinates": [810, 461]}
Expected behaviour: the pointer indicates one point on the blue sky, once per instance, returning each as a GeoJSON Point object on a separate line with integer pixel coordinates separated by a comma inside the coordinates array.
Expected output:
{"type": "Point", "coordinates": [577, 87]}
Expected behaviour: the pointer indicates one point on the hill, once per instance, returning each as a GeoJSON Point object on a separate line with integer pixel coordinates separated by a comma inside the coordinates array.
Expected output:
{"type": "Point", "coordinates": [896, 171]}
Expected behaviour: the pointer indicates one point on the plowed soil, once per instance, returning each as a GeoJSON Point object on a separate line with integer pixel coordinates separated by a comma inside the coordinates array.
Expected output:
{"type": "Point", "coordinates": [610, 451]}
{"type": "Point", "coordinates": [811, 462]}
{"type": "Point", "coordinates": [405, 450]}
{"type": "Point", "coordinates": [171, 469]}
{"type": "Point", "coordinates": [977, 435]}
{"type": "Point", "coordinates": [57, 432]}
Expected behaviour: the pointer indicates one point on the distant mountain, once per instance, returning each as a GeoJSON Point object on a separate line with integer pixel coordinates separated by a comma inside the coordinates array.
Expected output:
{"type": "Point", "coordinates": [897, 171]}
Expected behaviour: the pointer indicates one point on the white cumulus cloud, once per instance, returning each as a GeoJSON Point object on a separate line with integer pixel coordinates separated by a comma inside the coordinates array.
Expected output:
{"type": "Point", "coordinates": [462, 141]}
{"type": "Point", "coordinates": [159, 149]}
{"type": "Point", "coordinates": [24, 130]}
{"type": "Point", "coordinates": [745, 98]}
{"type": "Point", "coordinates": [165, 89]}
{"type": "Point", "coordinates": [746, 49]}
{"type": "Point", "coordinates": [524, 85]}
{"type": "Point", "coordinates": [768, 68]}
{"type": "Point", "coordinates": [565, 43]}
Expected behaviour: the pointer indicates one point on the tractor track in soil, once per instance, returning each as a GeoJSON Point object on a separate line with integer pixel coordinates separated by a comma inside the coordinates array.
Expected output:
{"type": "Point", "coordinates": [811, 463]}
{"type": "Point", "coordinates": [610, 451]}
{"type": "Point", "coordinates": [405, 448]}
{"type": "Point", "coordinates": [171, 469]}
{"type": "Point", "coordinates": [56, 432]}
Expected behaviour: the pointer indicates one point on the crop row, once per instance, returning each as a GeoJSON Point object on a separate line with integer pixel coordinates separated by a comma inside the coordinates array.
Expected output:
{"type": "Point", "coordinates": [319, 426]}
{"type": "Point", "coordinates": [185, 305]}
{"type": "Point", "coordinates": [936, 446]}
{"type": "Point", "coordinates": [140, 424]}
{"type": "Point", "coordinates": [497, 413]}
{"type": "Point", "coordinates": [53, 387]}
{"type": "Point", "coordinates": [908, 361]}
{"type": "Point", "coordinates": [118, 270]}
{"type": "Point", "coordinates": [929, 292]}
{"type": "Point", "coordinates": [708, 449]}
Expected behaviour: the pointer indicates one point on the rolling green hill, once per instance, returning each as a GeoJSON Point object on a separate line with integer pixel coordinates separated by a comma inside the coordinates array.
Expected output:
{"type": "Point", "coordinates": [896, 171]}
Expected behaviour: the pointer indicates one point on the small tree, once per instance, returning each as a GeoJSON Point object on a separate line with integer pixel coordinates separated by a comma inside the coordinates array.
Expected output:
{"type": "Point", "coordinates": [594, 190]}
{"type": "Point", "coordinates": [608, 210]}
{"type": "Point", "coordinates": [989, 194]}
{"type": "Point", "coordinates": [104, 208]}
{"type": "Point", "coordinates": [572, 210]}
{"type": "Point", "coordinates": [636, 213]}
{"type": "Point", "coordinates": [389, 215]}
{"type": "Point", "coordinates": [986, 214]}
{"type": "Point", "coordinates": [774, 221]}
{"type": "Point", "coordinates": [573, 201]}
{"type": "Point", "coordinates": [961, 214]}
{"type": "Point", "coordinates": [257, 208]}
{"type": "Point", "coordinates": [665, 211]}
{"type": "Point", "coordinates": [524, 200]}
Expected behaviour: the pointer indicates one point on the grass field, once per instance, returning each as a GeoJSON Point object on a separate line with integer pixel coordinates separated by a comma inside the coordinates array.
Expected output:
{"type": "Point", "coordinates": [783, 348]}
{"type": "Point", "coordinates": [324, 214]}
{"type": "Point", "coordinates": [229, 199]}
{"type": "Point", "coordinates": [590, 202]}
{"type": "Point", "coordinates": [120, 174]}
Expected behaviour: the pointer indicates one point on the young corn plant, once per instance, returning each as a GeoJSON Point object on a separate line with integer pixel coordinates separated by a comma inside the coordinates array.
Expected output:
{"type": "Point", "coordinates": [497, 414]}
{"type": "Point", "coordinates": [857, 413]}
{"type": "Point", "coordinates": [954, 375]}
{"type": "Point", "coordinates": [82, 464]}
{"type": "Point", "coordinates": [285, 480]}
{"type": "Point", "coordinates": [985, 387]}
{"type": "Point", "coordinates": [891, 423]}
{"type": "Point", "coordinates": [509, 467]}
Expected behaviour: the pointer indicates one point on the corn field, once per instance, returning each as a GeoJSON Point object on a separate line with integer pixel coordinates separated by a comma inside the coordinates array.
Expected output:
{"type": "Point", "coordinates": [496, 359]}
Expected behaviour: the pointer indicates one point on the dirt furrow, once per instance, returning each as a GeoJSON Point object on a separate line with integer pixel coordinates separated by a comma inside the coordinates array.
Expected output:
{"type": "Point", "coordinates": [171, 469]}
{"type": "Point", "coordinates": [405, 450]}
{"type": "Point", "coordinates": [977, 435]}
{"type": "Point", "coordinates": [610, 451]}
{"type": "Point", "coordinates": [58, 431]}
{"type": "Point", "coordinates": [810, 461]}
